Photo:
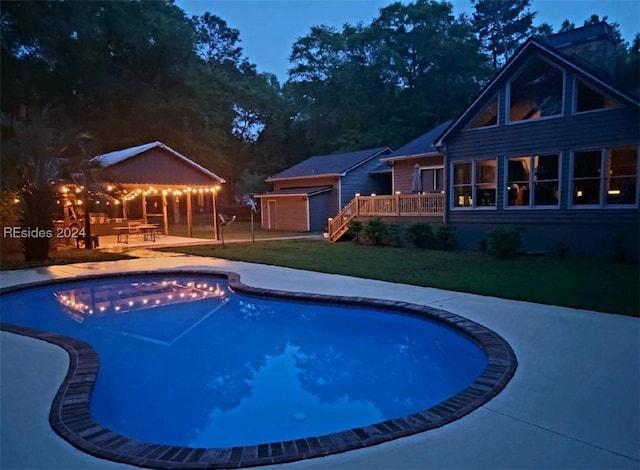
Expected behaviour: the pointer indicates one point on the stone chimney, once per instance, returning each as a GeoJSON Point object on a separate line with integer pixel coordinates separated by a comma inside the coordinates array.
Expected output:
{"type": "Point", "coordinates": [592, 45]}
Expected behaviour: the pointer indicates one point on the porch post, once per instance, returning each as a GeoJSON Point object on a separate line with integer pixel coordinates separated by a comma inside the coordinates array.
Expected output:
{"type": "Point", "coordinates": [144, 207]}
{"type": "Point", "coordinates": [214, 193]}
{"type": "Point", "coordinates": [189, 215]}
{"type": "Point", "coordinates": [165, 215]}
{"type": "Point", "coordinates": [124, 207]}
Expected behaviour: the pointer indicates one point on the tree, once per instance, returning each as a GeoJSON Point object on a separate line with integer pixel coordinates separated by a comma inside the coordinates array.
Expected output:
{"type": "Point", "coordinates": [628, 64]}
{"type": "Point", "coordinates": [387, 82]}
{"type": "Point", "coordinates": [566, 26]}
{"type": "Point", "coordinates": [36, 153]}
{"type": "Point", "coordinates": [544, 30]}
{"type": "Point", "coordinates": [216, 43]}
{"type": "Point", "coordinates": [502, 25]}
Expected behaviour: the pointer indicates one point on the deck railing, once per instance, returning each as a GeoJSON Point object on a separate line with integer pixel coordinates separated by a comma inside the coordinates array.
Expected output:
{"type": "Point", "coordinates": [381, 206]}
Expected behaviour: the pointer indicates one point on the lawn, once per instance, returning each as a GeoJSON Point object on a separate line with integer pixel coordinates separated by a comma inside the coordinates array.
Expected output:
{"type": "Point", "coordinates": [587, 283]}
{"type": "Point", "coordinates": [203, 228]}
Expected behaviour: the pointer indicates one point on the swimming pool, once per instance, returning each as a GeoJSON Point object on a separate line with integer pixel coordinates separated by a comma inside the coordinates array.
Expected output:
{"type": "Point", "coordinates": [193, 368]}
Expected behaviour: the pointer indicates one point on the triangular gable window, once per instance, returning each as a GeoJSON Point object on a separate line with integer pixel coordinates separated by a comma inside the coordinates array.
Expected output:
{"type": "Point", "coordinates": [588, 99]}
{"type": "Point", "coordinates": [488, 116]}
{"type": "Point", "coordinates": [536, 92]}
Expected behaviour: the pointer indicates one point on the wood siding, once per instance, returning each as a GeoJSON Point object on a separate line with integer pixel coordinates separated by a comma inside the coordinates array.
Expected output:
{"type": "Point", "coordinates": [403, 171]}
{"type": "Point", "coordinates": [156, 166]}
{"type": "Point", "coordinates": [332, 204]}
{"type": "Point", "coordinates": [320, 211]}
{"type": "Point", "coordinates": [291, 213]}
{"type": "Point", "coordinates": [562, 135]}
{"type": "Point", "coordinates": [359, 181]}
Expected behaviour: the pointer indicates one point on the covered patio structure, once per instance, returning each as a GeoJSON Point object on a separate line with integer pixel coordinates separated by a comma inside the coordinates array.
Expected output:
{"type": "Point", "coordinates": [153, 172]}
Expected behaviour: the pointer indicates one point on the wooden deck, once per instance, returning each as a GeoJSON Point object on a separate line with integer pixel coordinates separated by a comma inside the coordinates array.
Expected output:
{"type": "Point", "coordinates": [397, 205]}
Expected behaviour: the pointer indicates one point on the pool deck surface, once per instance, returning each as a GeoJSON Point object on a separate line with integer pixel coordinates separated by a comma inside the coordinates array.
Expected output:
{"type": "Point", "coordinates": [574, 401]}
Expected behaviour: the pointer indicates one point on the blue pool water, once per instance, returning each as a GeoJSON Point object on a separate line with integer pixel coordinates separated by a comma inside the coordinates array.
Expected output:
{"type": "Point", "coordinates": [185, 361]}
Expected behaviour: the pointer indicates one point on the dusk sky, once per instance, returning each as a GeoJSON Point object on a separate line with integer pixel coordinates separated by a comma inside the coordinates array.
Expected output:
{"type": "Point", "coordinates": [268, 28]}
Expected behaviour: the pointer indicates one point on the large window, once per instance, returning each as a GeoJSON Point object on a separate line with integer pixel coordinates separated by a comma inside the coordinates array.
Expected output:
{"type": "Point", "coordinates": [588, 99]}
{"type": "Point", "coordinates": [533, 181]}
{"type": "Point", "coordinates": [616, 185]}
{"type": "Point", "coordinates": [432, 180]}
{"type": "Point", "coordinates": [536, 92]}
{"type": "Point", "coordinates": [488, 116]}
{"type": "Point", "coordinates": [474, 184]}
{"type": "Point", "coordinates": [462, 187]}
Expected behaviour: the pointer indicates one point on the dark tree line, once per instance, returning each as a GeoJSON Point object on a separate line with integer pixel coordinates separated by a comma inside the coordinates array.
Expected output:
{"type": "Point", "coordinates": [132, 72]}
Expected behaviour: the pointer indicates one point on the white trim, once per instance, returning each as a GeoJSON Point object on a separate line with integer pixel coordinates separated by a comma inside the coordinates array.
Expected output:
{"type": "Point", "coordinates": [393, 179]}
{"type": "Point", "coordinates": [411, 157]}
{"type": "Point", "coordinates": [531, 205]}
{"type": "Point", "coordinates": [280, 195]}
{"type": "Point", "coordinates": [288, 195]}
{"type": "Point", "coordinates": [505, 70]}
{"type": "Point", "coordinates": [269, 214]}
{"type": "Point", "coordinates": [366, 160]}
{"type": "Point", "coordinates": [474, 184]}
{"type": "Point", "coordinates": [574, 101]}
{"type": "Point", "coordinates": [433, 167]}
{"type": "Point", "coordinates": [602, 204]}
{"type": "Point", "coordinates": [468, 128]}
{"type": "Point", "coordinates": [507, 114]}
{"type": "Point", "coordinates": [324, 175]}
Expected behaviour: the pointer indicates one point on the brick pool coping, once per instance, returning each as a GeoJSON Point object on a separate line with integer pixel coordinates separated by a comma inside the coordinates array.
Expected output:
{"type": "Point", "coordinates": [70, 415]}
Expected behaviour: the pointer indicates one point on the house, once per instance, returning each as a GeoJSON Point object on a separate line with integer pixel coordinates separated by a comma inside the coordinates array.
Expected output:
{"type": "Point", "coordinates": [416, 193]}
{"type": "Point", "coordinates": [549, 147]}
{"type": "Point", "coordinates": [423, 153]}
{"type": "Point", "coordinates": [305, 195]}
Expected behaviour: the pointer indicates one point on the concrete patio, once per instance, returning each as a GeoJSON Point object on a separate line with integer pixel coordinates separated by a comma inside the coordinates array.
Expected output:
{"type": "Point", "coordinates": [573, 403]}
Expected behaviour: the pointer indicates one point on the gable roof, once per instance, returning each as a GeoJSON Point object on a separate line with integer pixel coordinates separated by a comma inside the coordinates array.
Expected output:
{"type": "Point", "coordinates": [333, 164]}
{"type": "Point", "coordinates": [545, 49]}
{"type": "Point", "coordinates": [382, 168]}
{"type": "Point", "coordinates": [423, 145]}
{"type": "Point", "coordinates": [306, 191]}
{"type": "Point", "coordinates": [113, 158]}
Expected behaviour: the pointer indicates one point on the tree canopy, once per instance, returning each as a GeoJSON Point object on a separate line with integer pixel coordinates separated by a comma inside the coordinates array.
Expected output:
{"type": "Point", "coordinates": [137, 71]}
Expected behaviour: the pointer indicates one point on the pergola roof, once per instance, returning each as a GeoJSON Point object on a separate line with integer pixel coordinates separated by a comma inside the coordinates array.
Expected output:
{"type": "Point", "coordinates": [154, 164]}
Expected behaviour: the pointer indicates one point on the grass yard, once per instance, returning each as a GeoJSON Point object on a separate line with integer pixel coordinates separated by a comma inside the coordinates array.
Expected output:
{"type": "Point", "coordinates": [587, 283]}
{"type": "Point", "coordinates": [203, 228]}
{"type": "Point", "coordinates": [66, 256]}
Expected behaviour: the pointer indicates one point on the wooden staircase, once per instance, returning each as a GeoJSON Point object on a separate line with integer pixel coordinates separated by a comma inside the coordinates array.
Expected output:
{"type": "Point", "coordinates": [339, 225]}
{"type": "Point", "coordinates": [397, 205]}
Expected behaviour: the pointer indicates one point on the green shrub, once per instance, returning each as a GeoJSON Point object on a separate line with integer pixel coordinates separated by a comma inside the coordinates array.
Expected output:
{"type": "Point", "coordinates": [377, 232]}
{"type": "Point", "coordinates": [396, 235]}
{"type": "Point", "coordinates": [446, 237]}
{"type": "Point", "coordinates": [482, 245]}
{"type": "Point", "coordinates": [355, 230]}
{"type": "Point", "coordinates": [503, 243]}
{"type": "Point", "coordinates": [421, 235]}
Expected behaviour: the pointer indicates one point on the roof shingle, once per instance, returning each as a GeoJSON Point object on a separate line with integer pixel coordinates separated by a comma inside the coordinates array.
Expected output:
{"type": "Point", "coordinates": [332, 164]}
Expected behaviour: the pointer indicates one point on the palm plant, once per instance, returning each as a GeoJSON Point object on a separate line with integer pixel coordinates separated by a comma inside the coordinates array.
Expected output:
{"type": "Point", "coordinates": [35, 155]}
